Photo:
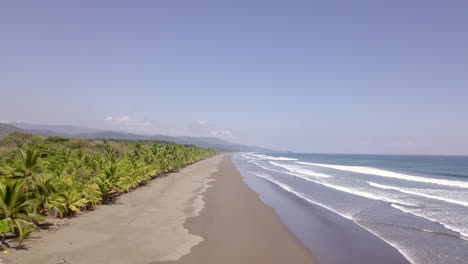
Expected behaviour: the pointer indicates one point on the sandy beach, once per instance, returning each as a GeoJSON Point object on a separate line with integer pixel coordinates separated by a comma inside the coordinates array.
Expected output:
{"type": "Point", "coordinates": [239, 228]}
{"type": "Point", "coordinates": [175, 219]}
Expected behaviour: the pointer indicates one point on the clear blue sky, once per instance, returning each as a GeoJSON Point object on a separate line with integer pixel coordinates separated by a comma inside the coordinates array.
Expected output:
{"type": "Point", "coordinates": [311, 76]}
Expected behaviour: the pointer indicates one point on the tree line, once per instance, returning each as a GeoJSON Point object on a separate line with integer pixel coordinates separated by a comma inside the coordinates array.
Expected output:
{"type": "Point", "coordinates": [58, 177]}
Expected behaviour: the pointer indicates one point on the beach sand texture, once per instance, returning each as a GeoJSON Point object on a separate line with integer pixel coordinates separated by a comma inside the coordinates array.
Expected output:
{"type": "Point", "coordinates": [170, 221]}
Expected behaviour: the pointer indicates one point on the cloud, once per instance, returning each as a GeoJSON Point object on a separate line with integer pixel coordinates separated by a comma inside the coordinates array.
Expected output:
{"type": "Point", "coordinates": [201, 122]}
{"type": "Point", "coordinates": [123, 118]}
{"type": "Point", "coordinates": [203, 128]}
{"type": "Point", "coordinates": [126, 124]}
{"type": "Point", "coordinates": [222, 133]}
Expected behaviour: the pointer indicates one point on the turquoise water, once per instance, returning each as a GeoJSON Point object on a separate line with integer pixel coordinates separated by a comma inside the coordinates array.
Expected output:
{"type": "Point", "coordinates": [417, 204]}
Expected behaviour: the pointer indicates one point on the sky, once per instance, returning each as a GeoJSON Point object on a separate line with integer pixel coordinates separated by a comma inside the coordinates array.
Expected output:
{"type": "Point", "coordinates": [298, 75]}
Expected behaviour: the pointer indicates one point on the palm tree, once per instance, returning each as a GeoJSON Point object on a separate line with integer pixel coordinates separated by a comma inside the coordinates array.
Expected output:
{"type": "Point", "coordinates": [70, 202]}
{"type": "Point", "coordinates": [24, 229]}
{"type": "Point", "coordinates": [4, 231]}
{"type": "Point", "coordinates": [15, 208]}
{"type": "Point", "coordinates": [89, 190]}
{"type": "Point", "coordinates": [110, 153]}
{"type": "Point", "coordinates": [137, 152]}
{"type": "Point", "coordinates": [44, 195]}
{"type": "Point", "coordinates": [107, 183]}
{"type": "Point", "coordinates": [29, 161]}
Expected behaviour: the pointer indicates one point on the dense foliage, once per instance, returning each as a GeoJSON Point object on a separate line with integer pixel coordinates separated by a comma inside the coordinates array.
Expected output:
{"type": "Point", "coordinates": [59, 177]}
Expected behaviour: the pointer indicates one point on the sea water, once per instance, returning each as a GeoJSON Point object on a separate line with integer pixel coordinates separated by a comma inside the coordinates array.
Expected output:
{"type": "Point", "coordinates": [417, 204]}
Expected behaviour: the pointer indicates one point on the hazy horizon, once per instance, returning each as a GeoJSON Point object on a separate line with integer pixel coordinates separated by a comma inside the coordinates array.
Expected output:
{"type": "Point", "coordinates": [314, 77]}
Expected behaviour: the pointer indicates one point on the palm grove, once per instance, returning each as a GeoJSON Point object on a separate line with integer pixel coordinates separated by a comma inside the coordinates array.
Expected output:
{"type": "Point", "coordinates": [59, 177]}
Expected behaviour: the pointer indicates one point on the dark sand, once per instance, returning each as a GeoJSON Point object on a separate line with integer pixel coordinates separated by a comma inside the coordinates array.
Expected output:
{"type": "Point", "coordinates": [238, 227]}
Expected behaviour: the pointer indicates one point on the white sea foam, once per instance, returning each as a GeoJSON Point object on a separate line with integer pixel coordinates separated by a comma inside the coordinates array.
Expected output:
{"type": "Point", "coordinates": [353, 191]}
{"type": "Point", "coordinates": [463, 231]}
{"type": "Point", "coordinates": [419, 193]}
{"type": "Point", "coordinates": [249, 157]}
{"type": "Point", "coordinates": [359, 192]}
{"type": "Point", "coordinates": [300, 195]}
{"type": "Point", "coordinates": [284, 172]}
{"type": "Point", "coordinates": [390, 174]}
{"type": "Point", "coordinates": [394, 244]}
{"type": "Point", "coordinates": [266, 157]}
{"type": "Point", "coordinates": [296, 169]}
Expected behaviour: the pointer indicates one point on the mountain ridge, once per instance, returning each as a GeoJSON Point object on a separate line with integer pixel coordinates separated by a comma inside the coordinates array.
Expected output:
{"type": "Point", "coordinates": [90, 133]}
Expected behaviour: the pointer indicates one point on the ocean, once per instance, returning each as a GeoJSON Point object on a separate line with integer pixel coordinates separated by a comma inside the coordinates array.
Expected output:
{"type": "Point", "coordinates": [416, 204]}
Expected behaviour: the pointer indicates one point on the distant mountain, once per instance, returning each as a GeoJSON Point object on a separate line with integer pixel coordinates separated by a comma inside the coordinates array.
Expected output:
{"type": "Point", "coordinates": [7, 129]}
{"type": "Point", "coordinates": [205, 142]}
{"type": "Point", "coordinates": [89, 133]}
{"type": "Point", "coordinates": [61, 129]}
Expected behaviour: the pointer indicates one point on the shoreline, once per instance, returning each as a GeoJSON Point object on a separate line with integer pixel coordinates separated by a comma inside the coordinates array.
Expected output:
{"type": "Point", "coordinates": [331, 237]}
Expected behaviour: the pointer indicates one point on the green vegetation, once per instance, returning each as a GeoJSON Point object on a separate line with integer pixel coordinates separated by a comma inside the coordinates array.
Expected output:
{"type": "Point", "coordinates": [59, 177]}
